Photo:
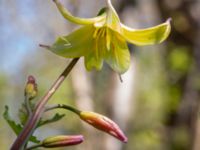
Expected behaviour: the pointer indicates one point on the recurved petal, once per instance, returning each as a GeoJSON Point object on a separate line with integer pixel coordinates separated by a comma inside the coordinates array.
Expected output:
{"type": "Point", "coordinates": [75, 44]}
{"type": "Point", "coordinates": [118, 57]}
{"type": "Point", "coordinates": [148, 36]}
{"type": "Point", "coordinates": [82, 21]}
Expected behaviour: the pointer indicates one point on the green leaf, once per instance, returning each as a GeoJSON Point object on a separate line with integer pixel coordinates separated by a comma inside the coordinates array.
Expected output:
{"type": "Point", "coordinates": [22, 113]}
{"type": "Point", "coordinates": [17, 128]}
{"type": "Point", "coordinates": [147, 36]}
{"type": "Point", "coordinates": [55, 118]}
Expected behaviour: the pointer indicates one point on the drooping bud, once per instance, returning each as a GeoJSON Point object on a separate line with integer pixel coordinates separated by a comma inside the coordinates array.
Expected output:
{"type": "Point", "coordinates": [104, 124]}
{"type": "Point", "coordinates": [62, 140]}
{"type": "Point", "coordinates": [31, 87]}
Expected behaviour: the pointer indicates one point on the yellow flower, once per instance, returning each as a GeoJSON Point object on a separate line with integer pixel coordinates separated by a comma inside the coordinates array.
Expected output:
{"type": "Point", "coordinates": [104, 38]}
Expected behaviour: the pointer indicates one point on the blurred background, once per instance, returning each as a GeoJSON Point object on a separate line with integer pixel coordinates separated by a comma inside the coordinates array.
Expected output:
{"type": "Point", "coordinates": [157, 105]}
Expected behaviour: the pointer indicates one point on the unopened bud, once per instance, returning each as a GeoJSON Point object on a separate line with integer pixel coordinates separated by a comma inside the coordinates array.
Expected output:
{"type": "Point", "coordinates": [62, 140]}
{"type": "Point", "coordinates": [31, 87]}
{"type": "Point", "coordinates": [104, 124]}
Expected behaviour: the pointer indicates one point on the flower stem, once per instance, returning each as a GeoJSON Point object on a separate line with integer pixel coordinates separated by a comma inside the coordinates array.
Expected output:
{"type": "Point", "coordinates": [63, 106]}
{"type": "Point", "coordinates": [33, 147]}
{"type": "Point", "coordinates": [108, 2]}
{"type": "Point", "coordinates": [27, 105]}
{"type": "Point", "coordinates": [39, 109]}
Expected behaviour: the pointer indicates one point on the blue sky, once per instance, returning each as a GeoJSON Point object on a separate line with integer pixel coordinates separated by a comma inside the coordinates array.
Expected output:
{"type": "Point", "coordinates": [15, 43]}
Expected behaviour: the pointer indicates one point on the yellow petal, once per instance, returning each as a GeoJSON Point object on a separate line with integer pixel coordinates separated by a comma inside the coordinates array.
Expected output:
{"type": "Point", "coordinates": [118, 57]}
{"type": "Point", "coordinates": [82, 21]}
{"type": "Point", "coordinates": [147, 36]}
{"type": "Point", "coordinates": [112, 19]}
{"type": "Point", "coordinates": [75, 44]}
{"type": "Point", "coordinates": [91, 62]}
{"type": "Point", "coordinates": [94, 56]}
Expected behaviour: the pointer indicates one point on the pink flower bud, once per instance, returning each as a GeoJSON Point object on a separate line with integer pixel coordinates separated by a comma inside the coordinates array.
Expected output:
{"type": "Point", "coordinates": [62, 140]}
{"type": "Point", "coordinates": [31, 87]}
{"type": "Point", "coordinates": [104, 124]}
{"type": "Point", "coordinates": [31, 79]}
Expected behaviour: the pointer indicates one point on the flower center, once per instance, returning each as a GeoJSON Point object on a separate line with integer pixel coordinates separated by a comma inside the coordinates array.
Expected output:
{"type": "Point", "coordinates": [102, 40]}
{"type": "Point", "coordinates": [104, 35]}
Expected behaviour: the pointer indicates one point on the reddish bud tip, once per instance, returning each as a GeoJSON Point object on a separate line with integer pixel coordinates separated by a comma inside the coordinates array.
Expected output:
{"type": "Point", "coordinates": [62, 140]}
{"type": "Point", "coordinates": [31, 87]}
{"type": "Point", "coordinates": [31, 79]}
{"type": "Point", "coordinates": [104, 124]}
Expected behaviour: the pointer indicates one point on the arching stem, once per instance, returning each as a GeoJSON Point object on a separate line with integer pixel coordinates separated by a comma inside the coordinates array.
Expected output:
{"type": "Point", "coordinates": [39, 109]}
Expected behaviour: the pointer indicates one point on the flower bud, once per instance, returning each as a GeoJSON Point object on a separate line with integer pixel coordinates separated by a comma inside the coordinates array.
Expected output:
{"type": "Point", "coordinates": [31, 87]}
{"type": "Point", "coordinates": [104, 124]}
{"type": "Point", "coordinates": [62, 140]}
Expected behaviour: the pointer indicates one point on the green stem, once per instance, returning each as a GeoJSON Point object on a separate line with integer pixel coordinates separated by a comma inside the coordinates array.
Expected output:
{"type": "Point", "coordinates": [36, 115]}
{"type": "Point", "coordinates": [29, 111]}
{"type": "Point", "coordinates": [108, 2]}
{"type": "Point", "coordinates": [27, 105]}
{"type": "Point", "coordinates": [63, 106]}
{"type": "Point", "coordinates": [33, 147]}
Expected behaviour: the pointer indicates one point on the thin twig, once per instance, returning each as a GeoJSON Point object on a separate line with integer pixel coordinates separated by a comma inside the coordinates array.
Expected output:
{"type": "Point", "coordinates": [28, 109]}
{"type": "Point", "coordinates": [35, 117]}
{"type": "Point", "coordinates": [63, 106]}
{"type": "Point", "coordinates": [27, 105]}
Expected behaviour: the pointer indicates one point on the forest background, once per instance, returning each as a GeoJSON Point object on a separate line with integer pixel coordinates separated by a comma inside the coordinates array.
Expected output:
{"type": "Point", "coordinates": [157, 105]}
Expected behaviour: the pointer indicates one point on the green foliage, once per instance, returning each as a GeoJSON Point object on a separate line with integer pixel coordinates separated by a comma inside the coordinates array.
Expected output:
{"type": "Point", "coordinates": [22, 113]}
{"type": "Point", "coordinates": [17, 128]}
{"type": "Point", "coordinates": [55, 118]}
{"type": "Point", "coordinates": [150, 140]}
{"type": "Point", "coordinates": [180, 139]}
{"type": "Point", "coordinates": [180, 59]}
{"type": "Point", "coordinates": [14, 126]}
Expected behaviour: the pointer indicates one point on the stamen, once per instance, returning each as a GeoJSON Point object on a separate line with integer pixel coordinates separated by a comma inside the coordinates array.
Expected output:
{"type": "Point", "coordinates": [103, 32]}
{"type": "Point", "coordinates": [108, 39]}
{"type": "Point", "coordinates": [95, 33]}
{"type": "Point", "coordinates": [96, 48]}
{"type": "Point", "coordinates": [100, 32]}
